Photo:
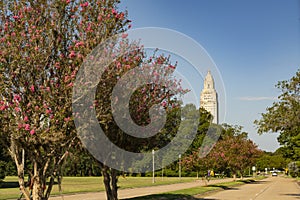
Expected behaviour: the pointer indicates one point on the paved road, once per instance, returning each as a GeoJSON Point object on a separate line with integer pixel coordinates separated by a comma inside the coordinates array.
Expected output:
{"type": "Point", "coordinates": [273, 188]}
{"type": "Point", "coordinates": [135, 192]}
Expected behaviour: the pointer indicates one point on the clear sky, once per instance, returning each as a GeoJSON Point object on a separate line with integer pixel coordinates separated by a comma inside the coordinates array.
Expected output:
{"type": "Point", "coordinates": [253, 43]}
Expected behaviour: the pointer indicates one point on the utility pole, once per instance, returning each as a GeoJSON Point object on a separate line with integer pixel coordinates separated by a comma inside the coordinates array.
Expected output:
{"type": "Point", "coordinates": [179, 166]}
{"type": "Point", "coordinates": [23, 161]}
{"type": "Point", "coordinates": [153, 169]}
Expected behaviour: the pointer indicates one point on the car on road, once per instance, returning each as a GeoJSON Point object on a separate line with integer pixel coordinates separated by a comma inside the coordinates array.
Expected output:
{"type": "Point", "coordinates": [274, 174]}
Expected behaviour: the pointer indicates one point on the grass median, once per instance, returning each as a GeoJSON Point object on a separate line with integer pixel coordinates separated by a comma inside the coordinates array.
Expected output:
{"type": "Point", "coordinates": [194, 193]}
{"type": "Point", "coordinates": [71, 185]}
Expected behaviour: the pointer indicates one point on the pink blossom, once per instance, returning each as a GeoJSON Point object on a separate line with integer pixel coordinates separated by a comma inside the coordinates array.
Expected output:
{"type": "Point", "coordinates": [89, 28]}
{"type": "Point", "coordinates": [114, 11]}
{"type": "Point", "coordinates": [48, 111]}
{"type": "Point", "coordinates": [68, 1]}
{"type": "Point", "coordinates": [25, 119]}
{"type": "Point", "coordinates": [72, 54]}
{"type": "Point", "coordinates": [67, 119]}
{"type": "Point", "coordinates": [155, 73]}
{"type": "Point", "coordinates": [127, 66]}
{"type": "Point", "coordinates": [79, 55]}
{"type": "Point", "coordinates": [57, 65]}
{"type": "Point", "coordinates": [86, 4]}
{"type": "Point", "coordinates": [17, 97]}
{"type": "Point", "coordinates": [16, 17]}
{"type": "Point", "coordinates": [17, 109]}
{"type": "Point", "coordinates": [27, 127]}
{"type": "Point", "coordinates": [67, 78]}
{"type": "Point", "coordinates": [124, 35]}
{"type": "Point", "coordinates": [120, 16]}
{"type": "Point", "coordinates": [20, 126]}
{"type": "Point", "coordinates": [171, 66]}
{"type": "Point", "coordinates": [32, 132]}
{"type": "Point", "coordinates": [78, 44]}
{"type": "Point", "coordinates": [164, 103]}
{"type": "Point", "coordinates": [73, 74]}
{"type": "Point", "coordinates": [3, 107]}
{"type": "Point", "coordinates": [32, 88]}
{"type": "Point", "coordinates": [70, 84]}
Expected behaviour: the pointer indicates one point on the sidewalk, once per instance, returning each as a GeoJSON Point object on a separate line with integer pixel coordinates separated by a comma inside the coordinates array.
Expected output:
{"type": "Point", "coordinates": [135, 192]}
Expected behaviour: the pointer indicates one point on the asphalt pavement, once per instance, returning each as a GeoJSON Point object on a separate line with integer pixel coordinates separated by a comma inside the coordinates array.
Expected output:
{"type": "Point", "coordinates": [272, 188]}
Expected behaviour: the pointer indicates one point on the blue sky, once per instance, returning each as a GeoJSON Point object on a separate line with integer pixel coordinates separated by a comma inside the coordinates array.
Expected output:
{"type": "Point", "coordinates": [254, 44]}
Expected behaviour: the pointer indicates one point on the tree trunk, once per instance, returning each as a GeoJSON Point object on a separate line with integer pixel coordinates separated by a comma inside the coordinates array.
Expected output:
{"type": "Point", "coordinates": [23, 189]}
{"type": "Point", "coordinates": [234, 177]}
{"type": "Point", "coordinates": [15, 154]}
{"type": "Point", "coordinates": [114, 183]}
{"type": "Point", "coordinates": [204, 180]}
{"type": "Point", "coordinates": [37, 190]}
{"type": "Point", "coordinates": [106, 180]}
{"type": "Point", "coordinates": [110, 183]}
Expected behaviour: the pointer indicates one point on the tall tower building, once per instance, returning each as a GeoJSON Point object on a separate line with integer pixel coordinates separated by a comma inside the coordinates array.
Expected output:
{"type": "Point", "coordinates": [209, 97]}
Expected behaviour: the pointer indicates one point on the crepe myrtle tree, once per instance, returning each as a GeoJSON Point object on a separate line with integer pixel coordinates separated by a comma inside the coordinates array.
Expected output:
{"type": "Point", "coordinates": [142, 99]}
{"type": "Point", "coordinates": [233, 153]}
{"type": "Point", "coordinates": [42, 46]}
{"type": "Point", "coordinates": [125, 62]}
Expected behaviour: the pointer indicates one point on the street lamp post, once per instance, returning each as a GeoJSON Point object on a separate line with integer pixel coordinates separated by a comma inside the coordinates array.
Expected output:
{"type": "Point", "coordinates": [153, 170]}
{"type": "Point", "coordinates": [179, 166]}
{"type": "Point", "coordinates": [23, 161]}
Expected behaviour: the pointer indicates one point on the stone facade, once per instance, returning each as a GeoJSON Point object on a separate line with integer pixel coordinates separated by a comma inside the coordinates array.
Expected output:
{"type": "Point", "coordinates": [209, 97]}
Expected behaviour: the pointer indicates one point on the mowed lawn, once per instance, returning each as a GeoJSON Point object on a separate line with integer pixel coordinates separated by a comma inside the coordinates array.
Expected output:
{"type": "Point", "coordinates": [89, 184]}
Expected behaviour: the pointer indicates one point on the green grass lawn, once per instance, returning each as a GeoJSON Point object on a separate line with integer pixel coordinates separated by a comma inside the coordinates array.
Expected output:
{"type": "Point", "coordinates": [89, 184]}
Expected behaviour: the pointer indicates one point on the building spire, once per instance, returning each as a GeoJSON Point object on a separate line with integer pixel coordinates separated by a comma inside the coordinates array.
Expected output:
{"type": "Point", "coordinates": [209, 81]}
{"type": "Point", "coordinates": [209, 97]}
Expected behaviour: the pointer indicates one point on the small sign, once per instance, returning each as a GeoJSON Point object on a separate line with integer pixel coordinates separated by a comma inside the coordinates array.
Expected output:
{"type": "Point", "coordinates": [253, 168]}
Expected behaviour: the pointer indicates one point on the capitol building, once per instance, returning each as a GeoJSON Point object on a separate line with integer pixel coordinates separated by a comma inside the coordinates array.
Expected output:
{"type": "Point", "coordinates": [209, 97]}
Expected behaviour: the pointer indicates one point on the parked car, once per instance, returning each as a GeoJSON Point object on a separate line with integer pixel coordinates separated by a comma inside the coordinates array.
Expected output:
{"type": "Point", "coordinates": [274, 174]}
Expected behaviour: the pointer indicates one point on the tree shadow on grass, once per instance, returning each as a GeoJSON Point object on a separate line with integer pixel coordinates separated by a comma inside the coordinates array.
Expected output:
{"type": "Point", "coordinates": [15, 184]}
{"type": "Point", "coordinates": [9, 184]}
{"type": "Point", "coordinates": [224, 187]}
{"type": "Point", "coordinates": [247, 181]}
{"type": "Point", "coordinates": [165, 197]}
{"type": "Point", "coordinates": [293, 195]}
{"type": "Point", "coordinates": [256, 182]}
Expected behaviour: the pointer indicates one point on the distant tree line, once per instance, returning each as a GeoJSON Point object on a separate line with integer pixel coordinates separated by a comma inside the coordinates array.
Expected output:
{"type": "Point", "coordinates": [233, 154]}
